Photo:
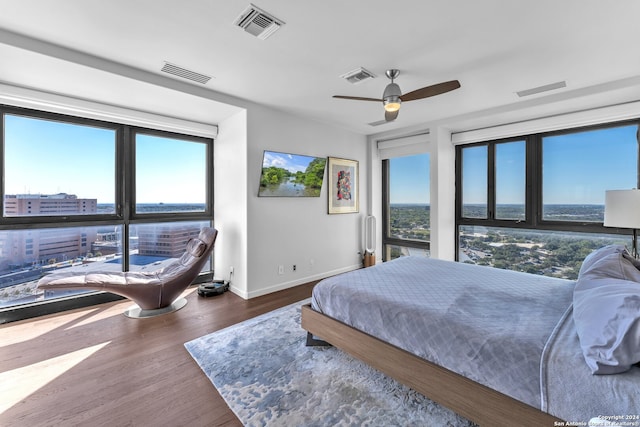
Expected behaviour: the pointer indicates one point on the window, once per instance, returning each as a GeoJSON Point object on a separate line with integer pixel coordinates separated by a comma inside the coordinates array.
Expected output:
{"type": "Point", "coordinates": [50, 249]}
{"type": "Point", "coordinates": [544, 197]}
{"type": "Point", "coordinates": [474, 187]}
{"type": "Point", "coordinates": [510, 180]}
{"type": "Point", "coordinates": [578, 167]}
{"type": "Point", "coordinates": [85, 195]}
{"type": "Point", "coordinates": [170, 169]}
{"type": "Point", "coordinates": [50, 167]}
{"type": "Point", "coordinates": [550, 253]}
{"type": "Point", "coordinates": [159, 243]}
{"type": "Point", "coordinates": [407, 216]}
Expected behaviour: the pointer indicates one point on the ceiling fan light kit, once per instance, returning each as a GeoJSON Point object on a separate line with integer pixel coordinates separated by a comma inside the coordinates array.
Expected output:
{"type": "Point", "coordinates": [392, 96]}
{"type": "Point", "coordinates": [391, 105]}
{"type": "Point", "coordinates": [392, 93]}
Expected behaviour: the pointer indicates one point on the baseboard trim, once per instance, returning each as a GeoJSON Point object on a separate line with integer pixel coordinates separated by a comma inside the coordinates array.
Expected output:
{"type": "Point", "coordinates": [290, 284]}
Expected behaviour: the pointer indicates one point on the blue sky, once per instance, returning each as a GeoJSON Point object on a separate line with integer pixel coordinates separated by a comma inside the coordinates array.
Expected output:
{"type": "Point", "coordinates": [291, 162]}
{"type": "Point", "coordinates": [47, 157]}
{"type": "Point", "coordinates": [579, 167]}
{"type": "Point", "coordinates": [170, 170]}
{"type": "Point", "coordinates": [409, 179]}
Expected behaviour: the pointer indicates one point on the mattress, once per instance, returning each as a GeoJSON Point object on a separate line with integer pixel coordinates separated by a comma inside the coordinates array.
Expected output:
{"type": "Point", "coordinates": [490, 325]}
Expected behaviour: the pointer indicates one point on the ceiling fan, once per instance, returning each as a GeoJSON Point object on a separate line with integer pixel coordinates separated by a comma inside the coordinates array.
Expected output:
{"type": "Point", "coordinates": [392, 97]}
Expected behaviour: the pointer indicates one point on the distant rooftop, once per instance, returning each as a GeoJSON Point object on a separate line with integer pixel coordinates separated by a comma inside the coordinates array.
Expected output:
{"type": "Point", "coordinates": [41, 196]}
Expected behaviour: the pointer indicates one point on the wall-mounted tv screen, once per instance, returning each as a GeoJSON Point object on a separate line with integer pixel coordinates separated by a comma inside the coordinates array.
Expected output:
{"type": "Point", "coordinates": [291, 175]}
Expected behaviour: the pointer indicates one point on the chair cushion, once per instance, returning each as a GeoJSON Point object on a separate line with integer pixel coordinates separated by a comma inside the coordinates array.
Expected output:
{"type": "Point", "coordinates": [196, 247]}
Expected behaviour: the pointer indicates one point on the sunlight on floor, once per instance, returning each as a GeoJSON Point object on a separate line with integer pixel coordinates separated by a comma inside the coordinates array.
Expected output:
{"type": "Point", "coordinates": [103, 313]}
{"type": "Point", "coordinates": [36, 328]}
{"type": "Point", "coordinates": [18, 384]}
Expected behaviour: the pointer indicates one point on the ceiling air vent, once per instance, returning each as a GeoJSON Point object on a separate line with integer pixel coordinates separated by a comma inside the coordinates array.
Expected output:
{"type": "Point", "coordinates": [257, 22]}
{"type": "Point", "coordinates": [184, 73]}
{"type": "Point", "coordinates": [540, 89]}
{"type": "Point", "coordinates": [358, 75]}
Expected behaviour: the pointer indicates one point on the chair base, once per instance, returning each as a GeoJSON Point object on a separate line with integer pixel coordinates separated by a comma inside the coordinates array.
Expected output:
{"type": "Point", "coordinates": [136, 312]}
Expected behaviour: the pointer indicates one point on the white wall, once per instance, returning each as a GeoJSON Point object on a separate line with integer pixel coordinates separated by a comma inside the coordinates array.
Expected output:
{"type": "Point", "coordinates": [288, 231]}
{"type": "Point", "coordinates": [230, 207]}
{"type": "Point", "coordinates": [443, 194]}
{"type": "Point", "coordinates": [257, 234]}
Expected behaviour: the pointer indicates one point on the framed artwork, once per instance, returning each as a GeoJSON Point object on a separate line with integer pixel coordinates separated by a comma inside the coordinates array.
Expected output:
{"type": "Point", "coordinates": [343, 185]}
{"type": "Point", "coordinates": [291, 175]}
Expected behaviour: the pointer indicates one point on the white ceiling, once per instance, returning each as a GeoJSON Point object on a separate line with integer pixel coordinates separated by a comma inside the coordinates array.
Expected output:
{"type": "Point", "coordinates": [112, 52]}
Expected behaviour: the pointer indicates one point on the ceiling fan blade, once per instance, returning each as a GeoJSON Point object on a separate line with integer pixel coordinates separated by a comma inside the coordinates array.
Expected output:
{"type": "Point", "coordinates": [391, 115]}
{"type": "Point", "coordinates": [357, 98]}
{"type": "Point", "coordinates": [433, 90]}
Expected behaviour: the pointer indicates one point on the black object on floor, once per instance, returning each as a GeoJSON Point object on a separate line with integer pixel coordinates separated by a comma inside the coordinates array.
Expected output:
{"type": "Point", "coordinates": [213, 289]}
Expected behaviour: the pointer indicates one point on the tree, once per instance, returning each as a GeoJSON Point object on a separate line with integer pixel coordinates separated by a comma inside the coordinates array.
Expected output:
{"type": "Point", "coordinates": [314, 174]}
{"type": "Point", "coordinates": [273, 175]}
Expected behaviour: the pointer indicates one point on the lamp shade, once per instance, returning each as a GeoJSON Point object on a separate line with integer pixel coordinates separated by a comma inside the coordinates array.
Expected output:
{"type": "Point", "coordinates": [622, 208]}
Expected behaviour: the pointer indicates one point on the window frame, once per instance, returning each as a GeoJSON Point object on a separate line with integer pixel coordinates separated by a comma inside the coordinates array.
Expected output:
{"type": "Point", "coordinates": [136, 217]}
{"type": "Point", "coordinates": [7, 222]}
{"type": "Point", "coordinates": [124, 201]}
{"type": "Point", "coordinates": [387, 240]}
{"type": "Point", "coordinates": [533, 187]}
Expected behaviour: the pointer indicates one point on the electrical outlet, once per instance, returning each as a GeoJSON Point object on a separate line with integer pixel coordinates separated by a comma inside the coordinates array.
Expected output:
{"type": "Point", "coordinates": [294, 267]}
{"type": "Point", "coordinates": [231, 270]}
{"type": "Point", "coordinates": [281, 269]}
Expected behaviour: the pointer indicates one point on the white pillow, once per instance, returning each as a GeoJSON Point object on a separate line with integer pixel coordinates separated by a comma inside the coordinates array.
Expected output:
{"type": "Point", "coordinates": [597, 255]}
{"type": "Point", "coordinates": [606, 311]}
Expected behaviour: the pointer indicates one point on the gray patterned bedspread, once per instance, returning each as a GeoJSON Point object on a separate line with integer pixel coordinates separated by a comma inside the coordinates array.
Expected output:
{"type": "Point", "coordinates": [571, 392]}
{"type": "Point", "coordinates": [487, 324]}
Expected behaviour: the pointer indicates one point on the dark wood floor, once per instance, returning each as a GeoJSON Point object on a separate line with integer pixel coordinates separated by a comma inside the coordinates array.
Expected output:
{"type": "Point", "coordinates": [94, 366]}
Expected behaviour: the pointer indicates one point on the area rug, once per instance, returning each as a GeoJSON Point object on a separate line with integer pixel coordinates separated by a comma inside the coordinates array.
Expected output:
{"type": "Point", "coordinates": [268, 377]}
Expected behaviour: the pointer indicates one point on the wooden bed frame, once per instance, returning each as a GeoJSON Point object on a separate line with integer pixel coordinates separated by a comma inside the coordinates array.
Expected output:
{"type": "Point", "coordinates": [466, 397]}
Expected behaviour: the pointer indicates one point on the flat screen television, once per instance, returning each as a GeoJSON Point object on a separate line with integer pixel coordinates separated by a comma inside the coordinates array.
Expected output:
{"type": "Point", "coordinates": [291, 175]}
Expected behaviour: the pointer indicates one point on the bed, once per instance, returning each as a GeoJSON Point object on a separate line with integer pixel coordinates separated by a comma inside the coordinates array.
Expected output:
{"type": "Point", "coordinates": [498, 347]}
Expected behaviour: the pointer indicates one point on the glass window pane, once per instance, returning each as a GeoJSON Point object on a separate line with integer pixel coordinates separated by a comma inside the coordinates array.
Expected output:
{"type": "Point", "coordinates": [27, 255]}
{"type": "Point", "coordinates": [409, 197]}
{"type": "Point", "coordinates": [153, 246]}
{"type": "Point", "coordinates": [579, 167]}
{"type": "Point", "coordinates": [474, 182]}
{"type": "Point", "coordinates": [549, 253]}
{"type": "Point", "coordinates": [171, 175]}
{"type": "Point", "coordinates": [54, 168]}
{"type": "Point", "coordinates": [395, 251]}
{"type": "Point", "coordinates": [510, 164]}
